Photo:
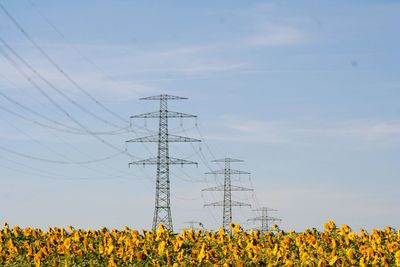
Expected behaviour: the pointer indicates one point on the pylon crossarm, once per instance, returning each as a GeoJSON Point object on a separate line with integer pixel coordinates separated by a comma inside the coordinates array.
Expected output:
{"type": "Point", "coordinates": [227, 160]}
{"type": "Point", "coordinates": [214, 204]}
{"type": "Point", "coordinates": [260, 218]}
{"type": "Point", "coordinates": [152, 138]}
{"type": "Point", "coordinates": [230, 171]}
{"type": "Point", "coordinates": [160, 97]}
{"type": "Point", "coordinates": [180, 161]}
{"type": "Point", "coordinates": [168, 114]}
{"type": "Point", "coordinates": [216, 188]}
{"type": "Point", "coordinates": [155, 114]}
{"type": "Point", "coordinates": [155, 161]}
{"type": "Point", "coordinates": [240, 188]}
{"type": "Point", "coordinates": [233, 188]}
{"type": "Point", "coordinates": [178, 138]}
{"type": "Point", "coordinates": [240, 204]}
{"type": "Point", "coordinates": [171, 138]}
{"type": "Point", "coordinates": [173, 114]}
{"type": "Point", "coordinates": [273, 219]}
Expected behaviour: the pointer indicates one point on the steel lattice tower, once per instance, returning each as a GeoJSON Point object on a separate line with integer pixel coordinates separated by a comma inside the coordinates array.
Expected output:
{"type": "Point", "coordinates": [265, 219]}
{"type": "Point", "coordinates": [227, 188]}
{"type": "Point", "coordinates": [162, 210]}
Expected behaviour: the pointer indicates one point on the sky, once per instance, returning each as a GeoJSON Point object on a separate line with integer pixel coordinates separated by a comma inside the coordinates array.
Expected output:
{"type": "Point", "coordinates": [306, 93]}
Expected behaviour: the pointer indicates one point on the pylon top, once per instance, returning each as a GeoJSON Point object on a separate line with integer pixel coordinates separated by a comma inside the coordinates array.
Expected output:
{"type": "Point", "coordinates": [163, 97]}
{"type": "Point", "coordinates": [227, 160]}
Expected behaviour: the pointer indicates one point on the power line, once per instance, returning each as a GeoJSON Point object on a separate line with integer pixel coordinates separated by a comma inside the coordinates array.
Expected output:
{"type": "Point", "coordinates": [36, 86]}
{"type": "Point", "coordinates": [62, 140]}
{"type": "Point", "coordinates": [34, 121]}
{"type": "Point", "coordinates": [208, 209]}
{"type": "Point", "coordinates": [52, 86]}
{"type": "Point", "coordinates": [68, 77]}
{"type": "Point", "coordinates": [44, 125]}
{"type": "Point", "coordinates": [55, 151]}
{"type": "Point", "coordinates": [54, 175]}
{"type": "Point", "coordinates": [52, 62]}
{"type": "Point", "coordinates": [206, 145]}
{"type": "Point", "coordinates": [83, 56]}
{"type": "Point", "coordinates": [27, 109]}
{"type": "Point", "coordinates": [58, 129]}
{"type": "Point", "coordinates": [55, 64]}
{"type": "Point", "coordinates": [55, 161]}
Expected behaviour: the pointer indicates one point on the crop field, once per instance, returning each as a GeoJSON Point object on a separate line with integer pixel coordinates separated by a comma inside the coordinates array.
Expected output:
{"type": "Point", "coordinates": [335, 246]}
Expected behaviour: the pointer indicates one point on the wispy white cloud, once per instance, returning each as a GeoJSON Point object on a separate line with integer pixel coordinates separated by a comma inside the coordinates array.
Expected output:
{"type": "Point", "coordinates": [128, 63]}
{"type": "Point", "coordinates": [361, 129]}
{"type": "Point", "coordinates": [276, 35]}
{"type": "Point", "coordinates": [251, 131]}
{"type": "Point", "coordinates": [307, 131]}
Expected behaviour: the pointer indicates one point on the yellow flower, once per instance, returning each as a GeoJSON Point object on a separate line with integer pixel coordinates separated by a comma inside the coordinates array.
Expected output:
{"type": "Point", "coordinates": [332, 247]}
{"type": "Point", "coordinates": [202, 253]}
{"type": "Point", "coordinates": [161, 248]}
{"type": "Point", "coordinates": [76, 237]}
{"type": "Point", "coordinates": [397, 257]}
{"type": "Point", "coordinates": [36, 260]}
{"type": "Point", "coordinates": [112, 263]}
{"type": "Point", "coordinates": [180, 256]}
{"type": "Point", "coordinates": [330, 225]}
{"type": "Point", "coordinates": [333, 260]}
{"type": "Point", "coordinates": [67, 243]}
{"type": "Point", "coordinates": [350, 254]}
{"type": "Point", "coordinates": [110, 249]}
{"type": "Point", "coordinates": [362, 262]}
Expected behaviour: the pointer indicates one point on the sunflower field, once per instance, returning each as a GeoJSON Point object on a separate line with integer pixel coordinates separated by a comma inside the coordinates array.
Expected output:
{"type": "Point", "coordinates": [335, 246]}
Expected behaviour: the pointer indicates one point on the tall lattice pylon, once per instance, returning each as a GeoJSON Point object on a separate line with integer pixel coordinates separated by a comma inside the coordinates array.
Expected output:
{"type": "Point", "coordinates": [264, 219]}
{"type": "Point", "coordinates": [227, 188]}
{"type": "Point", "coordinates": [162, 210]}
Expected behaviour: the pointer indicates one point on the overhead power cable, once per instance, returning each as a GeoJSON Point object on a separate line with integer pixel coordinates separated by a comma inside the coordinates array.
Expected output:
{"type": "Point", "coordinates": [55, 176]}
{"type": "Point", "coordinates": [71, 44]}
{"type": "Point", "coordinates": [35, 121]}
{"type": "Point", "coordinates": [11, 100]}
{"type": "Point", "coordinates": [36, 86]}
{"type": "Point", "coordinates": [69, 129]}
{"type": "Point", "coordinates": [55, 161]}
{"type": "Point", "coordinates": [69, 78]}
{"type": "Point", "coordinates": [53, 127]}
{"type": "Point", "coordinates": [52, 86]}
{"type": "Point", "coordinates": [67, 160]}
{"type": "Point", "coordinates": [62, 140]}
{"type": "Point", "coordinates": [52, 62]}
{"type": "Point", "coordinates": [207, 146]}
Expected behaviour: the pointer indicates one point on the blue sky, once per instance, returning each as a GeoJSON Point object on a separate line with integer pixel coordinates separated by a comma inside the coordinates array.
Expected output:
{"type": "Point", "coordinates": [307, 93]}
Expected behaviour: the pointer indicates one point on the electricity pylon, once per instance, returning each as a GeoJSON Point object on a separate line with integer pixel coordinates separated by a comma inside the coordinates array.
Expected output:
{"type": "Point", "coordinates": [227, 203]}
{"type": "Point", "coordinates": [265, 219]}
{"type": "Point", "coordinates": [162, 210]}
